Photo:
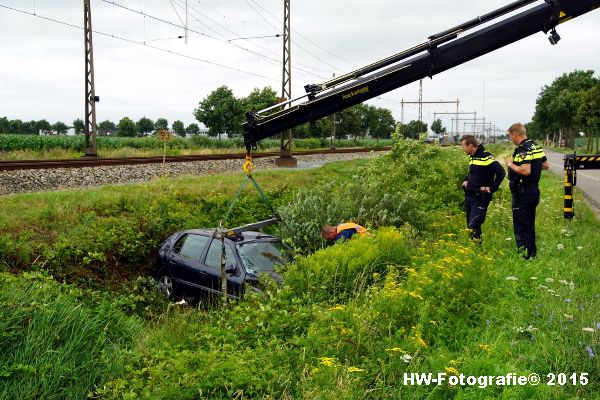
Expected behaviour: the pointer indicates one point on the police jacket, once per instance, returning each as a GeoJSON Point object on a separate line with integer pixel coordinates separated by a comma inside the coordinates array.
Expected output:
{"type": "Point", "coordinates": [527, 152]}
{"type": "Point", "coordinates": [484, 170]}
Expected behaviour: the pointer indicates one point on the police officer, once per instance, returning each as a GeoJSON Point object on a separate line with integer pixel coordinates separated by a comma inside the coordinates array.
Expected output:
{"type": "Point", "coordinates": [343, 231]}
{"type": "Point", "coordinates": [524, 171]}
{"type": "Point", "coordinates": [485, 176]}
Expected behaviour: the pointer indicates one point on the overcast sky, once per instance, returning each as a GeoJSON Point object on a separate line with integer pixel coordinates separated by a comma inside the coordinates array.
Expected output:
{"type": "Point", "coordinates": [42, 62]}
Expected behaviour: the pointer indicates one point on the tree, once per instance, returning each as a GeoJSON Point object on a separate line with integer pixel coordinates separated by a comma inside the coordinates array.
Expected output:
{"type": "Point", "coordinates": [161, 124]}
{"type": "Point", "coordinates": [144, 126]}
{"type": "Point", "coordinates": [437, 127]}
{"type": "Point", "coordinates": [378, 121]}
{"type": "Point", "coordinates": [259, 99]}
{"type": "Point", "coordinates": [348, 122]}
{"type": "Point", "coordinates": [126, 127]}
{"type": "Point", "coordinates": [588, 116]}
{"type": "Point", "coordinates": [221, 112]}
{"type": "Point", "coordinates": [107, 128]}
{"type": "Point", "coordinates": [557, 104]}
{"type": "Point", "coordinates": [60, 127]}
{"type": "Point", "coordinates": [192, 129]}
{"type": "Point", "coordinates": [28, 128]}
{"type": "Point", "coordinates": [413, 129]}
{"type": "Point", "coordinates": [4, 125]}
{"type": "Point", "coordinates": [179, 128]}
{"type": "Point", "coordinates": [16, 126]}
{"type": "Point", "coordinates": [78, 126]}
{"type": "Point", "coordinates": [43, 126]}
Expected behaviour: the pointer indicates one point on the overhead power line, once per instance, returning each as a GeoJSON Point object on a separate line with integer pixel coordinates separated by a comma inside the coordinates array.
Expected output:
{"type": "Point", "coordinates": [303, 36]}
{"type": "Point", "coordinates": [302, 68]}
{"type": "Point", "coordinates": [270, 59]}
{"type": "Point", "coordinates": [295, 33]}
{"type": "Point", "coordinates": [139, 43]}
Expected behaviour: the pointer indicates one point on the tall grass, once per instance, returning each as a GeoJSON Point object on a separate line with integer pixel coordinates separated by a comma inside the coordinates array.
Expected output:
{"type": "Point", "coordinates": [352, 318]}
{"type": "Point", "coordinates": [438, 304]}
{"type": "Point", "coordinates": [55, 343]}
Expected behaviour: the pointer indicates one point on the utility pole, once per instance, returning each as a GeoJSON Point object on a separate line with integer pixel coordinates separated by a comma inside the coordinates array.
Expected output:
{"type": "Point", "coordinates": [90, 91]}
{"type": "Point", "coordinates": [421, 100]}
{"type": "Point", "coordinates": [285, 157]}
{"type": "Point", "coordinates": [457, 116]}
{"type": "Point", "coordinates": [420, 103]}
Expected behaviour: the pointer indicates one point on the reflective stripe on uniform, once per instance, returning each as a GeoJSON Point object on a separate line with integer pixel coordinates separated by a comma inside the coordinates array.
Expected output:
{"type": "Point", "coordinates": [481, 161]}
{"type": "Point", "coordinates": [536, 153]}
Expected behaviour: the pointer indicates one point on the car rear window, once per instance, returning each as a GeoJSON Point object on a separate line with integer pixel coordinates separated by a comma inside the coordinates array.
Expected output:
{"type": "Point", "coordinates": [262, 256]}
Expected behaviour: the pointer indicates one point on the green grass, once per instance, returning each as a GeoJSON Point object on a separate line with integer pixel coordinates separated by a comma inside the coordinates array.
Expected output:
{"type": "Point", "coordinates": [348, 313]}
{"type": "Point", "coordinates": [94, 235]}
{"type": "Point", "coordinates": [55, 342]}
{"type": "Point", "coordinates": [454, 309]}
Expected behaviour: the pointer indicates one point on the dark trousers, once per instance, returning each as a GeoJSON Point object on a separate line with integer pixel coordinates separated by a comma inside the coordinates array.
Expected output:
{"type": "Point", "coordinates": [524, 203]}
{"type": "Point", "coordinates": [476, 206]}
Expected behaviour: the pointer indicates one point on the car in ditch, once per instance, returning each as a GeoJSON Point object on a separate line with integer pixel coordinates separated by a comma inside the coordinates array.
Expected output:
{"type": "Point", "coordinates": [189, 263]}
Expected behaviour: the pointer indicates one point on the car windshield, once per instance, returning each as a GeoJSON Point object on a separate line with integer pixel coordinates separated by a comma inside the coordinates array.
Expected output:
{"type": "Point", "coordinates": [262, 256]}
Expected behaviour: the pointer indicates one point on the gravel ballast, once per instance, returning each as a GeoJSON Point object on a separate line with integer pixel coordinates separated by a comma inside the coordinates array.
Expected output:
{"type": "Point", "coordinates": [36, 180]}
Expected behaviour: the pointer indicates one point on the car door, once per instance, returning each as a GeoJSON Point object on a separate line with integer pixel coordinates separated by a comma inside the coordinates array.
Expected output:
{"type": "Point", "coordinates": [212, 266]}
{"type": "Point", "coordinates": [184, 262]}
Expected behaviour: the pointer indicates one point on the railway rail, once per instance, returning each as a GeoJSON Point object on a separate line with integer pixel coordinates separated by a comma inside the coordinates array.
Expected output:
{"type": "Point", "coordinates": [99, 161]}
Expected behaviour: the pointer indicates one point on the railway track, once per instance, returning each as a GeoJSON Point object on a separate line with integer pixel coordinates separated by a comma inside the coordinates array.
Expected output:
{"type": "Point", "coordinates": [99, 161]}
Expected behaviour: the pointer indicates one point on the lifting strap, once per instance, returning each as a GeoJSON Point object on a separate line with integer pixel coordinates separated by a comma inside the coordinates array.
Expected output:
{"type": "Point", "coordinates": [248, 167]}
{"type": "Point", "coordinates": [220, 232]}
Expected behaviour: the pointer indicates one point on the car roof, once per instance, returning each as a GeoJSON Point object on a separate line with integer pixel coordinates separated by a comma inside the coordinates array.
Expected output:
{"type": "Point", "coordinates": [244, 237]}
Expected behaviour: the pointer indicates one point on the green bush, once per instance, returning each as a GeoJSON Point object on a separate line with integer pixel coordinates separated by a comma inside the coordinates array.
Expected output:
{"type": "Point", "coordinates": [342, 271]}
{"type": "Point", "coordinates": [412, 186]}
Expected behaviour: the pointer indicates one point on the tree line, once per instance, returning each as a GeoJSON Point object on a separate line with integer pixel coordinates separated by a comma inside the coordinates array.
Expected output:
{"type": "Point", "coordinates": [223, 114]}
{"type": "Point", "coordinates": [569, 105]}
{"type": "Point", "coordinates": [126, 127]}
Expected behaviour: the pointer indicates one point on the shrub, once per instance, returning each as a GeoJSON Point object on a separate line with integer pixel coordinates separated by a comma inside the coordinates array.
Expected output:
{"type": "Point", "coordinates": [412, 186]}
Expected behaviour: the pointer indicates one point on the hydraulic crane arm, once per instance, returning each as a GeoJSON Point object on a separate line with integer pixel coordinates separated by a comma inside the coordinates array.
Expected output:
{"type": "Point", "coordinates": [440, 52]}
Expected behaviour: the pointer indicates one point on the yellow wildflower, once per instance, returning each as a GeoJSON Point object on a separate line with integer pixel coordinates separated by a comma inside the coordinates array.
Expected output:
{"type": "Point", "coordinates": [354, 369]}
{"type": "Point", "coordinates": [338, 307]}
{"type": "Point", "coordinates": [484, 347]}
{"type": "Point", "coordinates": [420, 341]}
{"type": "Point", "coordinates": [327, 361]}
{"type": "Point", "coordinates": [415, 295]}
{"type": "Point", "coordinates": [452, 371]}
{"type": "Point", "coordinates": [395, 350]}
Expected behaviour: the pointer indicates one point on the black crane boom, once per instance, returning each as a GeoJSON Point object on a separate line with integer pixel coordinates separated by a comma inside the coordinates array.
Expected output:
{"type": "Point", "coordinates": [440, 52]}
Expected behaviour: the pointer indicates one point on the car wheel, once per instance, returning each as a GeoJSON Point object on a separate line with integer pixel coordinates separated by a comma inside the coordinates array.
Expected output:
{"type": "Point", "coordinates": [166, 286]}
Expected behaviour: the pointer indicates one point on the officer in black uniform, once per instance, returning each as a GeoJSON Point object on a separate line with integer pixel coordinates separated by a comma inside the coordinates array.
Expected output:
{"type": "Point", "coordinates": [524, 171]}
{"type": "Point", "coordinates": [485, 176]}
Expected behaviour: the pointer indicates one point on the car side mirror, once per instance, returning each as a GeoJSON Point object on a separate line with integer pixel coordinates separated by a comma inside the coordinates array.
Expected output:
{"type": "Point", "coordinates": [230, 269]}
